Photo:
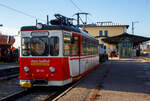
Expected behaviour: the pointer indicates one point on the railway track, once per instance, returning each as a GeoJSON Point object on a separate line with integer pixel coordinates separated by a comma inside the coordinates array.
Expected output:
{"type": "Point", "coordinates": [36, 94]}
{"type": "Point", "coordinates": [13, 96]}
{"type": "Point", "coordinates": [9, 73]}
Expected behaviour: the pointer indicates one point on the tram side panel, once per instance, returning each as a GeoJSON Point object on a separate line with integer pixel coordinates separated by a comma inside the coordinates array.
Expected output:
{"type": "Point", "coordinates": [74, 66]}
{"type": "Point", "coordinates": [74, 56]}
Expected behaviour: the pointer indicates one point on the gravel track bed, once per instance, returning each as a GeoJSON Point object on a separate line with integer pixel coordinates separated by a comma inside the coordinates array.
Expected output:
{"type": "Point", "coordinates": [9, 86]}
{"type": "Point", "coordinates": [40, 93]}
{"type": "Point", "coordinates": [36, 95]}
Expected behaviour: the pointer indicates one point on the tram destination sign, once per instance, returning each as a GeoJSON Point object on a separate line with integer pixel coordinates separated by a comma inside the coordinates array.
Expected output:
{"type": "Point", "coordinates": [40, 62]}
{"type": "Point", "coordinates": [39, 33]}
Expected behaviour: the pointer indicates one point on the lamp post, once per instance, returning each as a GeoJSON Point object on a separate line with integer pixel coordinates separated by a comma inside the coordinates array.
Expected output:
{"type": "Point", "coordinates": [133, 22]}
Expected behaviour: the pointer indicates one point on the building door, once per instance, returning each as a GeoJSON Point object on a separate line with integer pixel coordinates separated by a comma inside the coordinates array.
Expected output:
{"type": "Point", "coordinates": [125, 48]}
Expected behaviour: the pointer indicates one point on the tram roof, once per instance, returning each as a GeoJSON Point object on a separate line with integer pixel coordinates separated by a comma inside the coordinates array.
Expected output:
{"type": "Point", "coordinates": [135, 38]}
{"type": "Point", "coordinates": [58, 27]}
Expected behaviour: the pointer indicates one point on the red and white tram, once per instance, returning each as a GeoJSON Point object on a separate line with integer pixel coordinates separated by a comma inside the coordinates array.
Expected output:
{"type": "Point", "coordinates": [55, 55]}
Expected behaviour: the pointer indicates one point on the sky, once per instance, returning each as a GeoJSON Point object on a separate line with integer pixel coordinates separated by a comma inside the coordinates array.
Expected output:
{"type": "Point", "coordinates": [117, 11]}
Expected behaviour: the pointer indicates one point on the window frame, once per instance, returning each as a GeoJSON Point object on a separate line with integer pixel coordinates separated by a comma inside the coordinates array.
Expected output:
{"type": "Point", "coordinates": [78, 45]}
{"type": "Point", "coordinates": [100, 32]}
{"type": "Point", "coordinates": [106, 33]}
{"type": "Point", "coordinates": [28, 45]}
{"type": "Point", "coordinates": [67, 34]}
{"type": "Point", "coordinates": [46, 47]}
{"type": "Point", "coordinates": [57, 46]}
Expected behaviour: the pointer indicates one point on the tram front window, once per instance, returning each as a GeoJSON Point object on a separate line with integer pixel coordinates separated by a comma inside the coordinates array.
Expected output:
{"type": "Point", "coordinates": [39, 46]}
{"type": "Point", "coordinates": [25, 46]}
{"type": "Point", "coordinates": [54, 46]}
{"type": "Point", "coordinates": [25, 43]}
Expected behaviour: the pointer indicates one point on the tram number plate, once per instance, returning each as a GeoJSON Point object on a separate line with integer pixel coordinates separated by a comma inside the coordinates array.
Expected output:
{"type": "Point", "coordinates": [39, 70]}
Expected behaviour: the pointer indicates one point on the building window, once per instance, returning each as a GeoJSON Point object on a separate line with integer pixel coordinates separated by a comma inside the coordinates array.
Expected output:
{"type": "Point", "coordinates": [106, 33]}
{"type": "Point", "coordinates": [100, 33]}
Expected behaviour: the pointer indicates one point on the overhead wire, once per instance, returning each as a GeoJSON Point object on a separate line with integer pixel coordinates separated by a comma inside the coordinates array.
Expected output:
{"type": "Point", "coordinates": [80, 10]}
{"type": "Point", "coordinates": [75, 6]}
{"type": "Point", "coordinates": [21, 12]}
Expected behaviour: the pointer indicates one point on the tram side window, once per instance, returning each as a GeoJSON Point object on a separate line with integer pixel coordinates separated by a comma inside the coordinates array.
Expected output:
{"type": "Point", "coordinates": [25, 43]}
{"type": "Point", "coordinates": [96, 48]}
{"type": "Point", "coordinates": [67, 43]}
{"type": "Point", "coordinates": [92, 47]}
{"type": "Point", "coordinates": [88, 47]}
{"type": "Point", "coordinates": [75, 46]}
{"type": "Point", "coordinates": [83, 46]}
{"type": "Point", "coordinates": [54, 46]}
{"type": "Point", "coordinates": [39, 46]}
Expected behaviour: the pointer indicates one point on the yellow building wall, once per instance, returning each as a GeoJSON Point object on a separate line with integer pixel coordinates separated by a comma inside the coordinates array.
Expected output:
{"type": "Point", "coordinates": [112, 31]}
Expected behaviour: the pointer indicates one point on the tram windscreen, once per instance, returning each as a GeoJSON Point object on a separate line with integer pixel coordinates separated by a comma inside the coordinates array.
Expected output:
{"type": "Point", "coordinates": [39, 46]}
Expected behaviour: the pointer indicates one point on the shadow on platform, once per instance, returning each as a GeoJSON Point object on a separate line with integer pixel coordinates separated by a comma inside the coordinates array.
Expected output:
{"type": "Point", "coordinates": [122, 75]}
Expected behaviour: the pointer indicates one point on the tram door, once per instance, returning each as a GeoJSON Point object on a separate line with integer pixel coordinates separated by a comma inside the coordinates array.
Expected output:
{"type": "Point", "coordinates": [83, 59]}
{"type": "Point", "coordinates": [71, 50]}
{"type": "Point", "coordinates": [75, 69]}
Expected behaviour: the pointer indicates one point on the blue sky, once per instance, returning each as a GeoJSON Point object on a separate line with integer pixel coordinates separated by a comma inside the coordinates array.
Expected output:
{"type": "Point", "coordinates": [119, 11]}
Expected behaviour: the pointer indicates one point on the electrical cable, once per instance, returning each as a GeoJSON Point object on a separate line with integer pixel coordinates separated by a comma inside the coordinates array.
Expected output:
{"type": "Point", "coordinates": [75, 5]}
{"type": "Point", "coordinates": [21, 12]}
{"type": "Point", "coordinates": [80, 11]}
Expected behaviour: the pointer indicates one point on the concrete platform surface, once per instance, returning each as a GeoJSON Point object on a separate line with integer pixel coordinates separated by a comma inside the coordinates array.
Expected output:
{"type": "Point", "coordinates": [115, 80]}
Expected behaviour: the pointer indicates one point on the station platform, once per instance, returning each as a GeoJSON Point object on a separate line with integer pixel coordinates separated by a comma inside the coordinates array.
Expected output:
{"type": "Point", "coordinates": [9, 65]}
{"type": "Point", "coordinates": [114, 80]}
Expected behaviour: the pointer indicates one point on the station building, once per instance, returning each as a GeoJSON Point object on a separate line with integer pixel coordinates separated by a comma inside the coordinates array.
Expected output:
{"type": "Point", "coordinates": [115, 37]}
{"type": "Point", "coordinates": [102, 30]}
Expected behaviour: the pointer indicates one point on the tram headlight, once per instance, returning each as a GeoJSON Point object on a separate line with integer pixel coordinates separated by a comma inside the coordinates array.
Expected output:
{"type": "Point", "coordinates": [26, 69]}
{"type": "Point", "coordinates": [52, 69]}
